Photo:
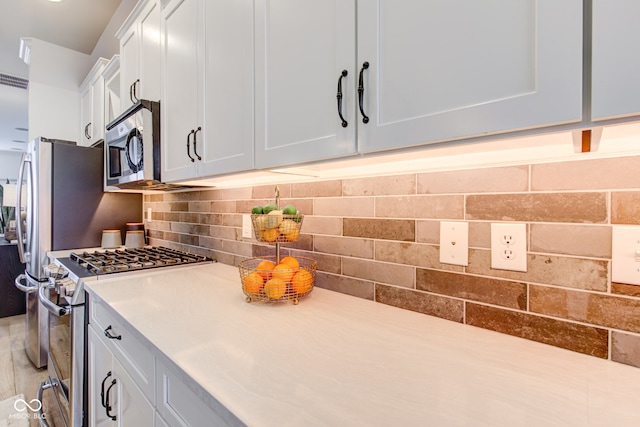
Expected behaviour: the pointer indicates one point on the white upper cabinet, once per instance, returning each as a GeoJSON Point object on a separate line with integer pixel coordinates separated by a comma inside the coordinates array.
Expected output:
{"type": "Point", "coordinates": [301, 50]}
{"type": "Point", "coordinates": [140, 54]}
{"type": "Point", "coordinates": [207, 88]}
{"type": "Point", "coordinates": [92, 119]}
{"type": "Point", "coordinates": [615, 59]}
{"type": "Point", "coordinates": [442, 70]}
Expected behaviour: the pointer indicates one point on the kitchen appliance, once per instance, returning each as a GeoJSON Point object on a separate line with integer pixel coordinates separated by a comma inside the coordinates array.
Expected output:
{"type": "Point", "coordinates": [133, 148]}
{"type": "Point", "coordinates": [64, 297]}
{"type": "Point", "coordinates": [65, 208]}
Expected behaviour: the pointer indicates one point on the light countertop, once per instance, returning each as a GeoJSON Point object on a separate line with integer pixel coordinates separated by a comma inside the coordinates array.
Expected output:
{"type": "Point", "coordinates": [337, 360]}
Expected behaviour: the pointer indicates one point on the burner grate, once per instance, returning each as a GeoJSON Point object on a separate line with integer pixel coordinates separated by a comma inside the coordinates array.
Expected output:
{"type": "Point", "coordinates": [130, 259]}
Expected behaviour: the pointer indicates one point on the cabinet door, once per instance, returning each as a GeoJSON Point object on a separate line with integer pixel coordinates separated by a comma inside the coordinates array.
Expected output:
{"type": "Point", "coordinates": [86, 104]}
{"type": "Point", "coordinates": [302, 46]}
{"type": "Point", "coordinates": [149, 53]}
{"type": "Point", "coordinates": [446, 69]}
{"type": "Point", "coordinates": [133, 409]}
{"type": "Point", "coordinates": [100, 377]}
{"type": "Point", "coordinates": [179, 109]}
{"type": "Point", "coordinates": [129, 47]}
{"type": "Point", "coordinates": [97, 109]}
{"type": "Point", "coordinates": [616, 60]}
{"type": "Point", "coordinates": [226, 140]}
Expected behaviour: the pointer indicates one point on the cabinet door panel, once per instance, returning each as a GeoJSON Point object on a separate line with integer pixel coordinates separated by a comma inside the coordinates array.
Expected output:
{"type": "Point", "coordinates": [449, 69]}
{"type": "Point", "coordinates": [180, 87]}
{"type": "Point", "coordinates": [86, 104]}
{"type": "Point", "coordinates": [128, 66]}
{"type": "Point", "coordinates": [100, 363]}
{"type": "Point", "coordinates": [302, 46]}
{"type": "Point", "coordinates": [227, 136]}
{"type": "Point", "coordinates": [132, 407]}
{"type": "Point", "coordinates": [616, 64]}
{"type": "Point", "coordinates": [150, 53]}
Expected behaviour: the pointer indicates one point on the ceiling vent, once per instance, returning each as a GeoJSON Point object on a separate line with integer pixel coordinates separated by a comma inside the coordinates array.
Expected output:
{"type": "Point", "coordinates": [7, 80]}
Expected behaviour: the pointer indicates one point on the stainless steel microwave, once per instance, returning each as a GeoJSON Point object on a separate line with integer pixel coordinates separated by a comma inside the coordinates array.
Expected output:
{"type": "Point", "coordinates": [132, 148]}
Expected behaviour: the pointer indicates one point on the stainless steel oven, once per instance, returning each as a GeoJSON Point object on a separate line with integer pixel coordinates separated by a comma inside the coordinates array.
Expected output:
{"type": "Point", "coordinates": [64, 298]}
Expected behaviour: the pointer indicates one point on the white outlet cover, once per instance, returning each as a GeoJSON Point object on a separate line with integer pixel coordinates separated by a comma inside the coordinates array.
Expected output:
{"type": "Point", "coordinates": [625, 254]}
{"type": "Point", "coordinates": [509, 246]}
{"type": "Point", "coordinates": [247, 231]}
{"type": "Point", "coordinates": [454, 242]}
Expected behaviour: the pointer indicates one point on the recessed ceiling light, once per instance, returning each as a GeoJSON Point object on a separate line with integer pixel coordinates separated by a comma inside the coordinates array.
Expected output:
{"type": "Point", "coordinates": [55, 1]}
{"type": "Point", "coordinates": [17, 149]}
{"type": "Point", "coordinates": [23, 129]}
{"type": "Point", "coordinates": [18, 141]}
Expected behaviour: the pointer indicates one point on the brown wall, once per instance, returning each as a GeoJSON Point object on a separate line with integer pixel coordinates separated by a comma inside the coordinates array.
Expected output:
{"type": "Point", "coordinates": [377, 238]}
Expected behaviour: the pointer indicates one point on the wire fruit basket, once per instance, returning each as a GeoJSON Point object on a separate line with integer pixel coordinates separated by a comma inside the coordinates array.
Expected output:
{"type": "Point", "coordinates": [262, 282]}
{"type": "Point", "coordinates": [277, 228]}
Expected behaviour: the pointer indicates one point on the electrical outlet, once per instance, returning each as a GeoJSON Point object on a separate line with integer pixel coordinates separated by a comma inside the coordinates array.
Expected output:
{"type": "Point", "coordinates": [625, 254]}
{"type": "Point", "coordinates": [454, 243]}
{"type": "Point", "coordinates": [246, 226]}
{"type": "Point", "coordinates": [509, 247]}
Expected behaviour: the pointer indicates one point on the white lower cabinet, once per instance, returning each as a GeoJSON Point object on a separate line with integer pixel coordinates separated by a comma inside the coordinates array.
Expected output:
{"type": "Point", "coordinates": [114, 397]}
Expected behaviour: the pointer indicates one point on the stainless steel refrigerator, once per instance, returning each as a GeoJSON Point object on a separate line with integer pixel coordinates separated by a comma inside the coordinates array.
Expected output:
{"type": "Point", "coordinates": [66, 208]}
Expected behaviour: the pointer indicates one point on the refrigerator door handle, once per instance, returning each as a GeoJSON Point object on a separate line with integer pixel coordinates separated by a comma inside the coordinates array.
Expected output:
{"type": "Point", "coordinates": [24, 288]}
{"type": "Point", "coordinates": [25, 256]}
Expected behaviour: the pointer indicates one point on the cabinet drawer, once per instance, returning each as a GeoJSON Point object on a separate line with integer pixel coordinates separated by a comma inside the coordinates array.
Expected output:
{"type": "Point", "coordinates": [181, 402]}
{"type": "Point", "coordinates": [136, 357]}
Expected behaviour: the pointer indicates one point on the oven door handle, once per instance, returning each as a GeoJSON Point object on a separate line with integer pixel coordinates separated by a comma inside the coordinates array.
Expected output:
{"type": "Point", "coordinates": [24, 288]}
{"type": "Point", "coordinates": [51, 307]}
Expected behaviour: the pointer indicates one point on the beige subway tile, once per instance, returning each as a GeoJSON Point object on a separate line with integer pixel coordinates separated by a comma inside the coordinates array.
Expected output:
{"type": "Point", "coordinates": [211, 243]}
{"type": "Point", "coordinates": [571, 336]}
{"type": "Point", "coordinates": [568, 272]}
{"type": "Point", "coordinates": [625, 348]}
{"type": "Point", "coordinates": [441, 207]}
{"type": "Point", "coordinates": [596, 309]}
{"type": "Point", "coordinates": [361, 248]}
{"type": "Point", "coordinates": [388, 229]}
{"type": "Point", "coordinates": [380, 186]}
{"type": "Point", "coordinates": [428, 231]}
{"type": "Point", "coordinates": [238, 248]}
{"type": "Point", "coordinates": [581, 240]}
{"type": "Point", "coordinates": [592, 174]}
{"type": "Point", "coordinates": [345, 285]}
{"type": "Point", "coordinates": [317, 189]}
{"type": "Point", "coordinates": [489, 180]}
{"type": "Point", "coordinates": [211, 219]}
{"type": "Point", "coordinates": [182, 196]}
{"type": "Point", "coordinates": [432, 305]}
{"type": "Point", "coordinates": [225, 206]}
{"type": "Point", "coordinates": [200, 207]}
{"type": "Point", "coordinates": [328, 263]}
{"type": "Point", "coordinates": [208, 194]}
{"type": "Point", "coordinates": [413, 254]}
{"type": "Point", "coordinates": [239, 193]}
{"type": "Point", "coordinates": [393, 274]}
{"type": "Point", "coordinates": [343, 207]}
{"type": "Point", "coordinates": [322, 225]}
{"type": "Point", "coordinates": [223, 232]}
{"type": "Point", "coordinates": [482, 289]}
{"type": "Point", "coordinates": [269, 191]}
{"type": "Point", "coordinates": [479, 234]}
{"type": "Point", "coordinates": [178, 206]}
{"type": "Point", "coordinates": [304, 242]}
{"type": "Point", "coordinates": [190, 217]}
{"type": "Point", "coordinates": [156, 197]}
{"type": "Point", "coordinates": [189, 239]}
{"type": "Point", "coordinates": [625, 207]}
{"type": "Point", "coordinates": [624, 289]}
{"type": "Point", "coordinates": [542, 207]}
{"type": "Point", "coordinates": [196, 229]}
{"type": "Point", "coordinates": [231, 220]}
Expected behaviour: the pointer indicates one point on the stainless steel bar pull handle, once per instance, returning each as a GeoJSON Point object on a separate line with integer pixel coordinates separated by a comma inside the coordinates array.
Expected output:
{"type": "Point", "coordinates": [194, 142]}
{"type": "Point", "coordinates": [188, 152]}
{"type": "Point", "coordinates": [365, 118]}
{"type": "Point", "coordinates": [339, 96]}
{"type": "Point", "coordinates": [24, 288]}
{"type": "Point", "coordinates": [25, 164]}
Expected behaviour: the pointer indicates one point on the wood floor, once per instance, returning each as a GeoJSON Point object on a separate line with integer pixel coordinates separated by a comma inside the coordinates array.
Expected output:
{"type": "Point", "coordinates": [17, 373]}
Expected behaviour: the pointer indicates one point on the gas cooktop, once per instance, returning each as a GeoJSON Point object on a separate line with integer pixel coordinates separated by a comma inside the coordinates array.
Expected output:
{"type": "Point", "coordinates": [130, 259]}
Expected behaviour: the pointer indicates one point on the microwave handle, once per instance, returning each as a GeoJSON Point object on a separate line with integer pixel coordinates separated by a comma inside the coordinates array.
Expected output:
{"type": "Point", "coordinates": [25, 256]}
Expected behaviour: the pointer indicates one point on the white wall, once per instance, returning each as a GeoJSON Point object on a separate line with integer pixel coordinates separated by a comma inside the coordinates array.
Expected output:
{"type": "Point", "coordinates": [108, 45]}
{"type": "Point", "coordinates": [9, 165]}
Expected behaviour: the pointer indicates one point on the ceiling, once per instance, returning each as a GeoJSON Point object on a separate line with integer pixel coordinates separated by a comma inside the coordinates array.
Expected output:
{"type": "Point", "coordinates": [74, 24]}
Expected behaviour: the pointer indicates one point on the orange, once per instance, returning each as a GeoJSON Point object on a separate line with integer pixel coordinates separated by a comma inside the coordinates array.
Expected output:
{"type": "Point", "coordinates": [264, 269]}
{"type": "Point", "coordinates": [283, 272]}
{"type": "Point", "coordinates": [302, 282]}
{"type": "Point", "coordinates": [252, 283]}
{"type": "Point", "coordinates": [275, 288]}
{"type": "Point", "coordinates": [269, 234]}
{"type": "Point", "coordinates": [291, 261]}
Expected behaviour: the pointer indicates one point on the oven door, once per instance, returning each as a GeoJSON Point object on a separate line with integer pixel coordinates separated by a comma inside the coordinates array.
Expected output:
{"type": "Point", "coordinates": [59, 364]}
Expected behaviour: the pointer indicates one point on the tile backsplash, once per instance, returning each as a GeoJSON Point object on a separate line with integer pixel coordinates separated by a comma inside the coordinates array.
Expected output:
{"type": "Point", "coordinates": [377, 238]}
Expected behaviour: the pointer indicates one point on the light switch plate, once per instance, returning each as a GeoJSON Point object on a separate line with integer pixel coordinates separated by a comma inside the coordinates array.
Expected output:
{"type": "Point", "coordinates": [149, 216]}
{"type": "Point", "coordinates": [246, 226]}
{"type": "Point", "coordinates": [509, 246]}
{"type": "Point", "coordinates": [454, 242]}
{"type": "Point", "coordinates": [625, 254]}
